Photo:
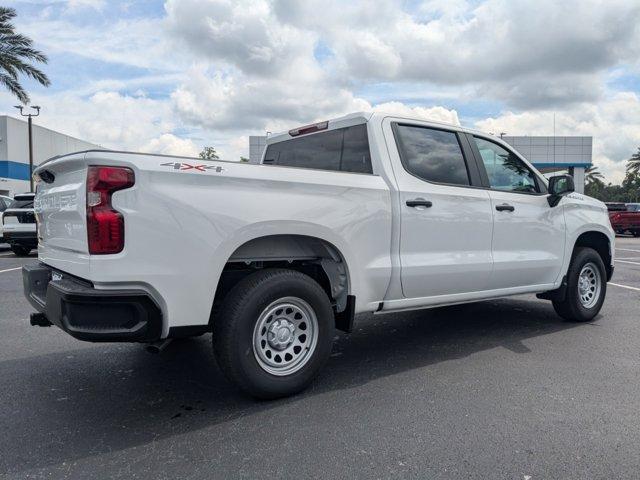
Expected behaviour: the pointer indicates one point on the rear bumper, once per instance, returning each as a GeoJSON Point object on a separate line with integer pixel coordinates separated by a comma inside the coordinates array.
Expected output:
{"type": "Point", "coordinates": [89, 314]}
{"type": "Point", "coordinates": [26, 239]}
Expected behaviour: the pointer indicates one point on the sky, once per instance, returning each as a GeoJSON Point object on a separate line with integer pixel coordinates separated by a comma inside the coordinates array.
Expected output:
{"type": "Point", "coordinates": [177, 75]}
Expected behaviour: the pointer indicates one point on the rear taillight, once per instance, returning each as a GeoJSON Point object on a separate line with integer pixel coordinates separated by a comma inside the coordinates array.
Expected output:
{"type": "Point", "coordinates": [105, 226]}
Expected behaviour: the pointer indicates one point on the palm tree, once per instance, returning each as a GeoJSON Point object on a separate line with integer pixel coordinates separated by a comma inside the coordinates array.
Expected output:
{"type": "Point", "coordinates": [592, 175]}
{"type": "Point", "coordinates": [16, 53]}
{"type": "Point", "coordinates": [633, 164]}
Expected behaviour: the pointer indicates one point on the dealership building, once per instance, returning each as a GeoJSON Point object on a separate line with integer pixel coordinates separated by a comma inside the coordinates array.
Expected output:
{"type": "Point", "coordinates": [14, 151]}
{"type": "Point", "coordinates": [550, 155]}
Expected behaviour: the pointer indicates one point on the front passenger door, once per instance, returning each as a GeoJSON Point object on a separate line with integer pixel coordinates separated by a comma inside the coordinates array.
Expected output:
{"type": "Point", "coordinates": [528, 234]}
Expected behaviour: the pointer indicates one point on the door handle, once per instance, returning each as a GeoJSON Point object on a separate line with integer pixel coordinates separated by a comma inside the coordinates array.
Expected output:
{"type": "Point", "coordinates": [505, 207]}
{"type": "Point", "coordinates": [419, 202]}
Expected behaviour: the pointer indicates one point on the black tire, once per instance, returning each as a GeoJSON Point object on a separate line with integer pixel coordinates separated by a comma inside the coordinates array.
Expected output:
{"type": "Point", "coordinates": [20, 251]}
{"type": "Point", "coordinates": [233, 331]}
{"type": "Point", "coordinates": [571, 308]}
{"type": "Point", "coordinates": [636, 233]}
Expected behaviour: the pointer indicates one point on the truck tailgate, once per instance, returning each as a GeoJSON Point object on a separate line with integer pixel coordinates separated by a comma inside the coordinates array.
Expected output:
{"type": "Point", "coordinates": [61, 215]}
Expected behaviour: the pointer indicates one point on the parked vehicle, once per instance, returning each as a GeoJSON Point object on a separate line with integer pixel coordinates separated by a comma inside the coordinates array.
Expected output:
{"type": "Point", "coordinates": [626, 218]}
{"type": "Point", "coordinates": [365, 213]}
{"type": "Point", "coordinates": [616, 206]}
{"type": "Point", "coordinates": [4, 204]}
{"type": "Point", "coordinates": [19, 225]}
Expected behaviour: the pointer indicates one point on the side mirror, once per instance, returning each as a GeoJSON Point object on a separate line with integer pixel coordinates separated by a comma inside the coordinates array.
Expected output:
{"type": "Point", "coordinates": [558, 186]}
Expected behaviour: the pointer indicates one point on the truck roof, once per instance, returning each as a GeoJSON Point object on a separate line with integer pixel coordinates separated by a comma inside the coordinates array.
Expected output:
{"type": "Point", "coordinates": [364, 117]}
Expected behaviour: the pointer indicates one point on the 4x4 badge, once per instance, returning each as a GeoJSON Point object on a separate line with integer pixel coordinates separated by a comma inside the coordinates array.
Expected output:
{"type": "Point", "coordinates": [188, 166]}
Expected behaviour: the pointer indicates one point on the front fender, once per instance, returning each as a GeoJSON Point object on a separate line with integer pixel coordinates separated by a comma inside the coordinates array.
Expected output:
{"type": "Point", "coordinates": [582, 215]}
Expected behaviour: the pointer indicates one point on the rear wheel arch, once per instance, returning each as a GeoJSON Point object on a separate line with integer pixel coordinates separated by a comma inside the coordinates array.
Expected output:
{"type": "Point", "coordinates": [313, 256]}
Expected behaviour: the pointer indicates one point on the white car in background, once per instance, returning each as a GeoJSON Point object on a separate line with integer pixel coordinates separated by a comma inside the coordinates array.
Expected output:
{"type": "Point", "coordinates": [4, 204]}
{"type": "Point", "coordinates": [19, 225]}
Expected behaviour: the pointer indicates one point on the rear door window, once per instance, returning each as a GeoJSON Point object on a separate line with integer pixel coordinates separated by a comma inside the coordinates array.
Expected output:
{"type": "Point", "coordinates": [342, 149]}
{"type": "Point", "coordinates": [431, 154]}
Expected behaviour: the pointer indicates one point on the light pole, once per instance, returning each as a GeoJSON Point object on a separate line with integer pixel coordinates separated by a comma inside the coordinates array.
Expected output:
{"type": "Point", "coordinates": [37, 109]}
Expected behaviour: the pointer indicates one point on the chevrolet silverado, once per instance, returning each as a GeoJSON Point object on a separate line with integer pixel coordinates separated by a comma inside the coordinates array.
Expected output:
{"type": "Point", "coordinates": [365, 213]}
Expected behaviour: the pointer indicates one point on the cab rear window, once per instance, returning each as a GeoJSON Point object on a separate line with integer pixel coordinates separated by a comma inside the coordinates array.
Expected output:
{"type": "Point", "coordinates": [21, 204]}
{"type": "Point", "coordinates": [342, 149]}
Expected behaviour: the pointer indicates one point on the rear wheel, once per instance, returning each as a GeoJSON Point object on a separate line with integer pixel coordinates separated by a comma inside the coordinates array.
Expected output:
{"type": "Point", "coordinates": [20, 251]}
{"type": "Point", "coordinates": [586, 287]}
{"type": "Point", "coordinates": [273, 333]}
{"type": "Point", "coordinates": [636, 233]}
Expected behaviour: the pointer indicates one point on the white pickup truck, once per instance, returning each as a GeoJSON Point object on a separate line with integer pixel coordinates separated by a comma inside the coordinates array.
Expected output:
{"type": "Point", "coordinates": [365, 213]}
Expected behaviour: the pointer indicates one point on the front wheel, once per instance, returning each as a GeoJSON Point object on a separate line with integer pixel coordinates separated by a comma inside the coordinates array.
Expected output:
{"type": "Point", "coordinates": [273, 333]}
{"type": "Point", "coordinates": [20, 251]}
{"type": "Point", "coordinates": [586, 287]}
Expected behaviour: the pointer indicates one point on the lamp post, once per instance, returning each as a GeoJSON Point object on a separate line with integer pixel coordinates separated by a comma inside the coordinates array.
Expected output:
{"type": "Point", "coordinates": [30, 115]}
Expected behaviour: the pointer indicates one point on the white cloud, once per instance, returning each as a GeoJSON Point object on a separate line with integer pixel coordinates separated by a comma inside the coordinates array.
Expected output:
{"type": "Point", "coordinates": [137, 42]}
{"type": "Point", "coordinates": [169, 144]}
{"type": "Point", "coordinates": [107, 118]}
{"type": "Point", "coordinates": [438, 114]}
{"type": "Point", "coordinates": [241, 33]}
{"type": "Point", "coordinates": [530, 54]}
{"type": "Point", "coordinates": [94, 4]}
{"type": "Point", "coordinates": [235, 102]}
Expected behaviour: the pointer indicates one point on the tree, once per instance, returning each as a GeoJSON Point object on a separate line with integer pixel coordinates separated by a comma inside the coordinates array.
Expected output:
{"type": "Point", "coordinates": [209, 153]}
{"type": "Point", "coordinates": [244, 159]}
{"type": "Point", "coordinates": [593, 175]}
{"type": "Point", "coordinates": [631, 182]}
{"type": "Point", "coordinates": [16, 53]}
{"type": "Point", "coordinates": [633, 164]}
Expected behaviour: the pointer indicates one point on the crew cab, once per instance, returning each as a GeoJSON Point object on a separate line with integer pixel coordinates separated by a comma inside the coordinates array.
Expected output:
{"type": "Point", "coordinates": [625, 218]}
{"type": "Point", "coordinates": [19, 225]}
{"type": "Point", "coordinates": [365, 213]}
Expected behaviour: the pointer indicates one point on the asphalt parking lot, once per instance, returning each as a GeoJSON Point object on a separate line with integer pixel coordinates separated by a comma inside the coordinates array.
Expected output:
{"type": "Point", "coordinates": [492, 390]}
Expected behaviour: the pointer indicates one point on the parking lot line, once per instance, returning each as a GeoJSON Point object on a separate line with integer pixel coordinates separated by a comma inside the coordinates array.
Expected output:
{"type": "Point", "coordinates": [10, 269]}
{"type": "Point", "coordinates": [624, 286]}
{"type": "Point", "coordinates": [627, 261]}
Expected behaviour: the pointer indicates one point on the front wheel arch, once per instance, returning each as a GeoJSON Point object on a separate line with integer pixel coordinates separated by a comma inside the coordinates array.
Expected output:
{"type": "Point", "coordinates": [599, 242]}
{"type": "Point", "coordinates": [595, 240]}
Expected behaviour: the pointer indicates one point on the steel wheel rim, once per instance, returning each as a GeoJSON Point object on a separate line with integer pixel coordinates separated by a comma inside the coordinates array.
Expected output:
{"type": "Point", "coordinates": [285, 336]}
{"type": "Point", "coordinates": [589, 285]}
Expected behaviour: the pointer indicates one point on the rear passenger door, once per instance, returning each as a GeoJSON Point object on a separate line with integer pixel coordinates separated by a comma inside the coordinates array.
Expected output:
{"type": "Point", "coordinates": [528, 234]}
{"type": "Point", "coordinates": [446, 218]}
